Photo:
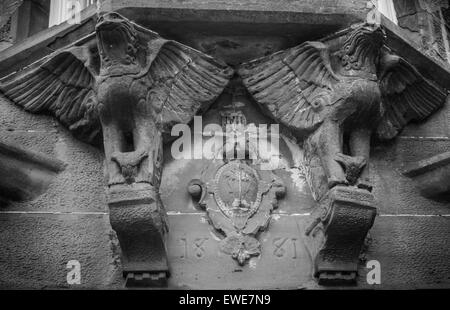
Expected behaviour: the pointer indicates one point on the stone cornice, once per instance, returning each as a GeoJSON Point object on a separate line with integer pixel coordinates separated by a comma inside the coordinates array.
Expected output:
{"type": "Point", "coordinates": [432, 176]}
{"type": "Point", "coordinates": [172, 18]}
{"type": "Point", "coordinates": [25, 174]}
{"type": "Point", "coordinates": [291, 21]}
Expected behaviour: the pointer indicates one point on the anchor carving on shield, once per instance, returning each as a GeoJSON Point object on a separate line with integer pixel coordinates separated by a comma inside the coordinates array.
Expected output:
{"type": "Point", "coordinates": [238, 200]}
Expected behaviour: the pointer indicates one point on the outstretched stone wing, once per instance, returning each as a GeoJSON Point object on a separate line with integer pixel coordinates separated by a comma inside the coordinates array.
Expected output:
{"type": "Point", "coordinates": [293, 86]}
{"type": "Point", "coordinates": [407, 96]}
{"type": "Point", "coordinates": [61, 85]}
{"type": "Point", "coordinates": [184, 81]}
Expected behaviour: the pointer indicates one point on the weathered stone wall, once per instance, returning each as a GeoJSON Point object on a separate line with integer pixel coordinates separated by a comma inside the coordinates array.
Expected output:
{"type": "Point", "coordinates": [67, 222]}
{"type": "Point", "coordinates": [71, 222]}
{"type": "Point", "coordinates": [408, 235]}
{"type": "Point", "coordinates": [427, 23]}
{"type": "Point", "coordinates": [36, 12]}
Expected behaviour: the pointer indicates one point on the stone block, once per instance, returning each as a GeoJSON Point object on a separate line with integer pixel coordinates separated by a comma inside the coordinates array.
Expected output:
{"type": "Point", "coordinates": [196, 261]}
{"type": "Point", "coordinates": [413, 251]}
{"type": "Point", "coordinates": [37, 247]}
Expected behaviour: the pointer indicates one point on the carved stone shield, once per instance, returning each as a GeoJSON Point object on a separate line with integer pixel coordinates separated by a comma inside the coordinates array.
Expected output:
{"type": "Point", "coordinates": [237, 192]}
{"type": "Point", "coordinates": [238, 202]}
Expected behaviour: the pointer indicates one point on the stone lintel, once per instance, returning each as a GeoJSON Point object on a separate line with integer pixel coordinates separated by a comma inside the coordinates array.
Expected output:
{"type": "Point", "coordinates": [26, 52]}
{"type": "Point", "coordinates": [302, 19]}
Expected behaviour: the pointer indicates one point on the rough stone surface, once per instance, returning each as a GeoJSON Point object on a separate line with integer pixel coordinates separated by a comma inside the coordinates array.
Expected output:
{"type": "Point", "coordinates": [71, 221]}
{"type": "Point", "coordinates": [25, 174]}
{"type": "Point", "coordinates": [38, 259]}
{"type": "Point", "coordinates": [432, 175]}
{"type": "Point", "coordinates": [196, 259]}
{"type": "Point", "coordinates": [437, 125]}
{"type": "Point", "coordinates": [396, 193]}
{"type": "Point", "coordinates": [412, 251]}
{"type": "Point", "coordinates": [80, 187]}
{"type": "Point", "coordinates": [424, 22]}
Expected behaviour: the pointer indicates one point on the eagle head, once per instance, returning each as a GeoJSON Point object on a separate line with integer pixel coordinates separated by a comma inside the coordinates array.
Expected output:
{"type": "Point", "coordinates": [362, 48]}
{"type": "Point", "coordinates": [117, 43]}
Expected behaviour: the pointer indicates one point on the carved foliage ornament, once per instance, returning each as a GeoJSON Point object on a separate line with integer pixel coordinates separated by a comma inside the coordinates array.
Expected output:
{"type": "Point", "coordinates": [131, 86]}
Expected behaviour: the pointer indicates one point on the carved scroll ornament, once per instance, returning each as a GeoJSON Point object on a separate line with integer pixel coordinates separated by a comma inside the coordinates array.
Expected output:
{"type": "Point", "coordinates": [335, 101]}
{"type": "Point", "coordinates": [127, 89]}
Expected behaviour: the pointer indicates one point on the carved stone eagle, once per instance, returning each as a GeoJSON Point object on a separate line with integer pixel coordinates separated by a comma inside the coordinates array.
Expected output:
{"type": "Point", "coordinates": [335, 100]}
{"type": "Point", "coordinates": [131, 86]}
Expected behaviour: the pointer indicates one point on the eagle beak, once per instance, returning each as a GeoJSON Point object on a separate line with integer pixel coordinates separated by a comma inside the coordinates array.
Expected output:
{"type": "Point", "coordinates": [387, 61]}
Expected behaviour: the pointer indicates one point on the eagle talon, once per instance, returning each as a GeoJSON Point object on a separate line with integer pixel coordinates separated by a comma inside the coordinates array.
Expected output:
{"type": "Point", "coordinates": [365, 185]}
{"type": "Point", "coordinates": [333, 181]}
{"type": "Point", "coordinates": [352, 165]}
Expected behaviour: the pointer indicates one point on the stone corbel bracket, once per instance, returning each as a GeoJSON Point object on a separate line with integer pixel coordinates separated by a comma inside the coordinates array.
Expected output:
{"type": "Point", "coordinates": [337, 234]}
{"type": "Point", "coordinates": [432, 176]}
{"type": "Point", "coordinates": [140, 224]}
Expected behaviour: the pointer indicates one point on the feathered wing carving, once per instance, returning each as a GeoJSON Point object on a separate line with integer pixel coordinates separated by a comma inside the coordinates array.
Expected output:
{"type": "Point", "coordinates": [293, 86]}
{"type": "Point", "coordinates": [407, 96]}
{"type": "Point", "coordinates": [184, 81]}
{"type": "Point", "coordinates": [63, 85]}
